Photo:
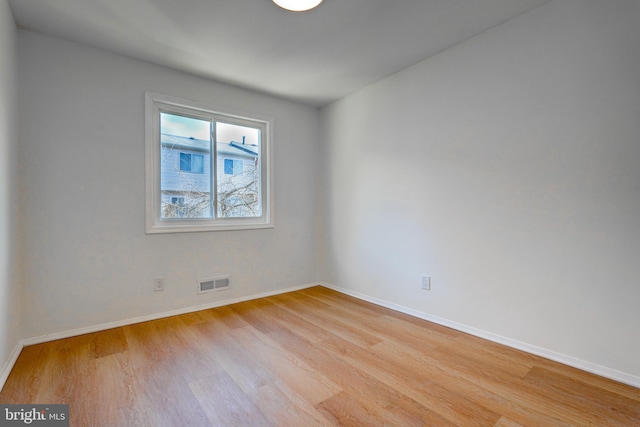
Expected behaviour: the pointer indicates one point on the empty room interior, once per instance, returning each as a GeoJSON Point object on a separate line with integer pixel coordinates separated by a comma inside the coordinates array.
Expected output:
{"type": "Point", "coordinates": [417, 212]}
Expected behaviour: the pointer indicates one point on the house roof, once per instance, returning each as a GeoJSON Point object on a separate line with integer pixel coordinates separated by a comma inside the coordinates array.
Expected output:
{"type": "Point", "coordinates": [233, 148]}
{"type": "Point", "coordinates": [184, 142]}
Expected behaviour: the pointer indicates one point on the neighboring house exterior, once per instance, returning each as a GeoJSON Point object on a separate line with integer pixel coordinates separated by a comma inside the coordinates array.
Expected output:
{"type": "Point", "coordinates": [186, 177]}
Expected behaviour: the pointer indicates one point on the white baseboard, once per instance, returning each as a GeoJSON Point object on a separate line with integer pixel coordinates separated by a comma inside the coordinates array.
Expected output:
{"type": "Point", "coordinates": [593, 368]}
{"type": "Point", "coordinates": [6, 369]}
{"type": "Point", "coordinates": [156, 316]}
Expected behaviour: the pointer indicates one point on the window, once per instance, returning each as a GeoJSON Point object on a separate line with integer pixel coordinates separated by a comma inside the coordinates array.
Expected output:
{"type": "Point", "coordinates": [176, 208]}
{"type": "Point", "coordinates": [205, 170]}
{"type": "Point", "coordinates": [232, 167]}
{"type": "Point", "coordinates": [191, 162]}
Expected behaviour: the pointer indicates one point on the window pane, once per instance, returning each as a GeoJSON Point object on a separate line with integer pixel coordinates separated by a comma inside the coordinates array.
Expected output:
{"type": "Point", "coordinates": [228, 167]}
{"type": "Point", "coordinates": [185, 162]}
{"type": "Point", "coordinates": [238, 180]}
{"type": "Point", "coordinates": [197, 163]}
{"type": "Point", "coordinates": [237, 167]}
{"type": "Point", "coordinates": [185, 174]}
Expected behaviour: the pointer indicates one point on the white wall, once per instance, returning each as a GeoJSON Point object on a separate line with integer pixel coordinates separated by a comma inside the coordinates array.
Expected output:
{"type": "Point", "coordinates": [9, 267]}
{"type": "Point", "coordinates": [87, 259]}
{"type": "Point", "coordinates": [508, 169]}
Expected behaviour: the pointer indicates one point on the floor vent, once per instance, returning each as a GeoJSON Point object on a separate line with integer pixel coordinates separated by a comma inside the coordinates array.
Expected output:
{"type": "Point", "coordinates": [214, 284]}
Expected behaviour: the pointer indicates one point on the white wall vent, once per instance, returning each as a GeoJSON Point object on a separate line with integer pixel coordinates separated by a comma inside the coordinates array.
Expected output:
{"type": "Point", "coordinates": [214, 284]}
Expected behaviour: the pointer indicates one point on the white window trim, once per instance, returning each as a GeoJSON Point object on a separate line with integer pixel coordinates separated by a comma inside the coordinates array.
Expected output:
{"type": "Point", "coordinates": [154, 224]}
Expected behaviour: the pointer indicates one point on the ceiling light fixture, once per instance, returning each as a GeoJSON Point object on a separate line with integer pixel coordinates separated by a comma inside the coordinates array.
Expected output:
{"type": "Point", "coordinates": [297, 5]}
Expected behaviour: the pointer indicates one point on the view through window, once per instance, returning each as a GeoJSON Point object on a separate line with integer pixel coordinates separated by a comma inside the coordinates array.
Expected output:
{"type": "Point", "coordinates": [211, 168]}
{"type": "Point", "coordinates": [187, 146]}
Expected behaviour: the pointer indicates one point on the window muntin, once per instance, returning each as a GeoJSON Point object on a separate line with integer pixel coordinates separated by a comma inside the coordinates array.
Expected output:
{"type": "Point", "coordinates": [205, 170]}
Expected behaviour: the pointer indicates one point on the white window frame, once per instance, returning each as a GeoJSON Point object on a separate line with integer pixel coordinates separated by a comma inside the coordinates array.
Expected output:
{"type": "Point", "coordinates": [154, 104]}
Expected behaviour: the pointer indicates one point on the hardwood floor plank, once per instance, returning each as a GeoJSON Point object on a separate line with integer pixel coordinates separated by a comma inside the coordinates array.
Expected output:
{"type": "Point", "coordinates": [236, 361]}
{"type": "Point", "coordinates": [486, 391]}
{"type": "Point", "coordinates": [25, 379]}
{"type": "Point", "coordinates": [226, 316]}
{"type": "Point", "coordinates": [412, 413]}
{"type": "Point", "coordinates": [225, 404]}
{"type": "Point", "coordinates": [146, 343]}
{"type": "Point", "coordinates": [284, 407]}
{"type": "Point", "coordinates": [317, 314]}
{"type": "Point", "coordinates": [309, 383]}
{"type": "Point", "coordinates": [69, 359]}
{"type": "Point", "coordinates": [108, 394]}
{"type": "Point", "coordinates": [163, 398]}
{"type": "Point", "coordinates": [191, 356]}
{"type": "Point", "coordinates": [277, 316]}
{"type": "Point", "coordinates": [395, 326]}
{"type": "Point", "coordinates": [308, 358]}
{"type": "Point", "coordinates": [592, 380]}
{"type": "Point", "coordinates": [599, 405]}
{"type": "Point", "coordinates": [343, 409]}
{"type": "Point", "coordinates": [352, 381]}
{"type": "Point", "coordinates": [450, 405]}
{"type": "Point", "coordinates": [438, 344]}
{"type": "Point", "coordinates": [106, 343]}
{"type": "Point", "coordinates": [338, 300]}
{"type": "Point", "coordinates": [506, 422]}
{"type": "Point", "coordinates": [371, 311]}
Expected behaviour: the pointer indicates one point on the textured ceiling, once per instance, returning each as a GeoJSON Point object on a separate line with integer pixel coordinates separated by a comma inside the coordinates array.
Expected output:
{"type": "Point", "coordinates": [314, 57]}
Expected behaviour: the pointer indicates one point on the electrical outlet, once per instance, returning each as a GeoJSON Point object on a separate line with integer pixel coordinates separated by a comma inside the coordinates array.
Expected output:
{"type": "Point", "coordinates": [158, 284]}
{"type": "Point", "coordinates": [426, 283]}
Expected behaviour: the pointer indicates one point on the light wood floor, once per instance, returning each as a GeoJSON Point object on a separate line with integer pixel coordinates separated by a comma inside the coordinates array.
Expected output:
{"type": "Point", "coordinates": [308, 358]}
